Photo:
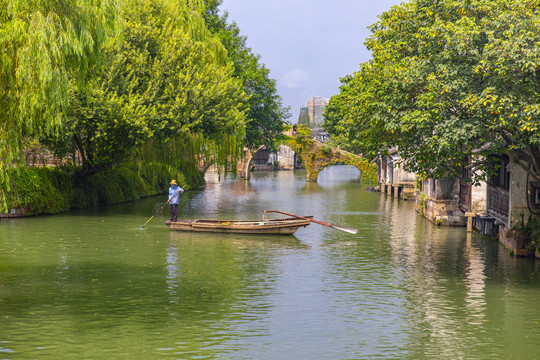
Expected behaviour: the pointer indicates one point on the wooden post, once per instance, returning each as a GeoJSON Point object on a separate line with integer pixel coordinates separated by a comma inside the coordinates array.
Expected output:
{"type": "Point", "coordinates": [469, 216]}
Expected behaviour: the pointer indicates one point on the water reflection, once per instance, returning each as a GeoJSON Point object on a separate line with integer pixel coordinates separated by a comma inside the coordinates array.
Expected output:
{"type": "Point", "coordinates": [172, 270]}
{"type": "Point", "coordinates": [443, 277]}
{"type": "Point", "coordinates": [476, 283]}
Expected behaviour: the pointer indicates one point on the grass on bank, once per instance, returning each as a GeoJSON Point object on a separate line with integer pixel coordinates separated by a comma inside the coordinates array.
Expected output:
{"type": "Point", "coordinates": [44, 190]}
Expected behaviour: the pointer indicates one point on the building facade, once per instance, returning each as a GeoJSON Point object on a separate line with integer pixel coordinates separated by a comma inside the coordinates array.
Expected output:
{"type": "Point", "coordinates": [499, 206]}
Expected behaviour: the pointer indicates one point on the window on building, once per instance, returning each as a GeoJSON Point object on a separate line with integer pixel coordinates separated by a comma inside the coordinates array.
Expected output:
{"type": "Point", "coordinates": [535, 195]}
{"type": "Point", "coordinates": [501, 177]}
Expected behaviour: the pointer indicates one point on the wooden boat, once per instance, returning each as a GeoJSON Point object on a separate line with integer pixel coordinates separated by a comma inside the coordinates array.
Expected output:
{"type": "Point", "coordinates": [286, 226]}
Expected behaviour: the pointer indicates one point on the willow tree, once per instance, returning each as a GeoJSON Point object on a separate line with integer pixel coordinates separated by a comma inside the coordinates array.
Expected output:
{"type": "Point", "coordinates": [169, 81]}
{"type": "Point", "coordinates": [45, 45]}
{"type": "Point", "coordinates": [450, 80]}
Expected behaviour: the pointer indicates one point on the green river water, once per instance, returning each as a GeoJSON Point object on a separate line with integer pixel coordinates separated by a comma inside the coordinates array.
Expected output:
{"type": "Point", "coordinates": [92, 285]}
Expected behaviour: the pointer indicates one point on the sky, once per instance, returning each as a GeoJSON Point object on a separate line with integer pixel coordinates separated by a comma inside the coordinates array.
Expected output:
{"type": "Point", "coordinates": [307, 45]}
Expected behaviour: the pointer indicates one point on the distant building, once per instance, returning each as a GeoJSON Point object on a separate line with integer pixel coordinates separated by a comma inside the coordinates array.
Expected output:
{"type": "Point", "coordinates": [314, 108]}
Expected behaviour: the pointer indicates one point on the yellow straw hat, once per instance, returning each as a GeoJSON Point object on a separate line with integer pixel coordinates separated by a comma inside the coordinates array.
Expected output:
{"type": "Point", "coordinates": [173, 182]}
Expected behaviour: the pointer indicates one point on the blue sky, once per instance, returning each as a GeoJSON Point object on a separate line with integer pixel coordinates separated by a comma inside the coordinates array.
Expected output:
{"type": "Point", "coordinates": [308, 45]}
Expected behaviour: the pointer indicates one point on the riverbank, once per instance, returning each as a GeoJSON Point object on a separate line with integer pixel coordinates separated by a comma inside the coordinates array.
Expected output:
{"type": "Point", "coordinates": [54, 190]}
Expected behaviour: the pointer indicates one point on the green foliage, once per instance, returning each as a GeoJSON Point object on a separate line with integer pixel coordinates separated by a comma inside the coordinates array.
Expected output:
{"type": "Point", "coordinates": [419, 181]}
{"type": "Point", "coordinates": [332, 121]}
{"type": "Point", "coordinates": [303, 139]}
{"type": "Point", "coordinates": [169, 91]}
{"type": "Point", "coordinates": [39, 190]}
{"type": "Point", "coordinates": [45, 45]}
{"type": "Point", "coordinates": [423, 202]}
{"type": "Point", "coordinates": [55, 190]}
{"type": "Point", "coordinates": [127, 183]}
{"type": "Point", "coordinates": [530, 230]}
{"type": "Point", "coordinates": [101, 127]}
{"type": "Point", "coordinates": [169, 79]}
{"type": "Point", "coordinates": [191, 154]}
{"type": "Point", "coordinates": [448, 80]}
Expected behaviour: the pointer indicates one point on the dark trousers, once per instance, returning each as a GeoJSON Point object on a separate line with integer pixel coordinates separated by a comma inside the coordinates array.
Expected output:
{"type": "Point", "coordinates": [173, 210]}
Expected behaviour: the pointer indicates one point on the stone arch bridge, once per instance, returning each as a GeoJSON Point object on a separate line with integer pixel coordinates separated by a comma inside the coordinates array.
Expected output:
{"type": "Point", "coordinates": [315, 157]}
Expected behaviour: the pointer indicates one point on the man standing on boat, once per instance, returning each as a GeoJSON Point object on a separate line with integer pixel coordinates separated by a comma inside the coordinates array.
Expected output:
{"type": "Point", "coordinates": [174, 199]}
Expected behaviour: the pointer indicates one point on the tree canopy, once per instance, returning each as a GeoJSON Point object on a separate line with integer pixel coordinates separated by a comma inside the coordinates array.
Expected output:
{"type": "Point", "coordinates": [45, 44]}
{"type": "Point", "coordinates": [448, 81]}
{"type": "Point", "coordinates": [170, 79]}
{"type": "Point", "coordinates": [106, 81]}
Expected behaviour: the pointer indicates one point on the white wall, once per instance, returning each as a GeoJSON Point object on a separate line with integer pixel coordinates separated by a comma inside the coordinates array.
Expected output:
{"type": "Point", "coordinates": [518, 195]}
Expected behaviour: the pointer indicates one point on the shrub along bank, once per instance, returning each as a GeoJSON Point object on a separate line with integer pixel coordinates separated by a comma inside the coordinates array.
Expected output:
{"type": "Point", "coordinates": [38, 190]}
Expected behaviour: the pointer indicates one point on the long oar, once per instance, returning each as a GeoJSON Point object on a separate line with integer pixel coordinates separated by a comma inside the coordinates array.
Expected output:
{"type": "Point", "coordinates": [342, 228]}
{"type": "Point", "coordinates": [158, 210]}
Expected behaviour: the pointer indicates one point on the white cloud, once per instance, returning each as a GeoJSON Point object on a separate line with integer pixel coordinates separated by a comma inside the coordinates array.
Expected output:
{"type": "Point", "coordinates": [295, 78]}
{"type": "Point", "coordinates": [308, 45]}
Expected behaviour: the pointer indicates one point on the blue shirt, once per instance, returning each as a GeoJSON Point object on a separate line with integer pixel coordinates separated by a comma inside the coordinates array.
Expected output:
{"type": "Point", "coordinates": [175, 199]}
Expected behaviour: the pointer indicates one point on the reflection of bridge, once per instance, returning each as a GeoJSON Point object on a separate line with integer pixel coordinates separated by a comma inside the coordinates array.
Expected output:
{"type": "Point", "coordinates": [314, 158]}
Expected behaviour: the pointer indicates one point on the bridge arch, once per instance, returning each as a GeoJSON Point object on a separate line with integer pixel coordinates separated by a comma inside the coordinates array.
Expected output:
{"type": "Point", "coordinates": [319, 156]}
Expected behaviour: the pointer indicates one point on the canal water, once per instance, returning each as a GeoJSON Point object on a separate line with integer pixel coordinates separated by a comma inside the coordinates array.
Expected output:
{"type": "Point", "coordinates": [92, 285]}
